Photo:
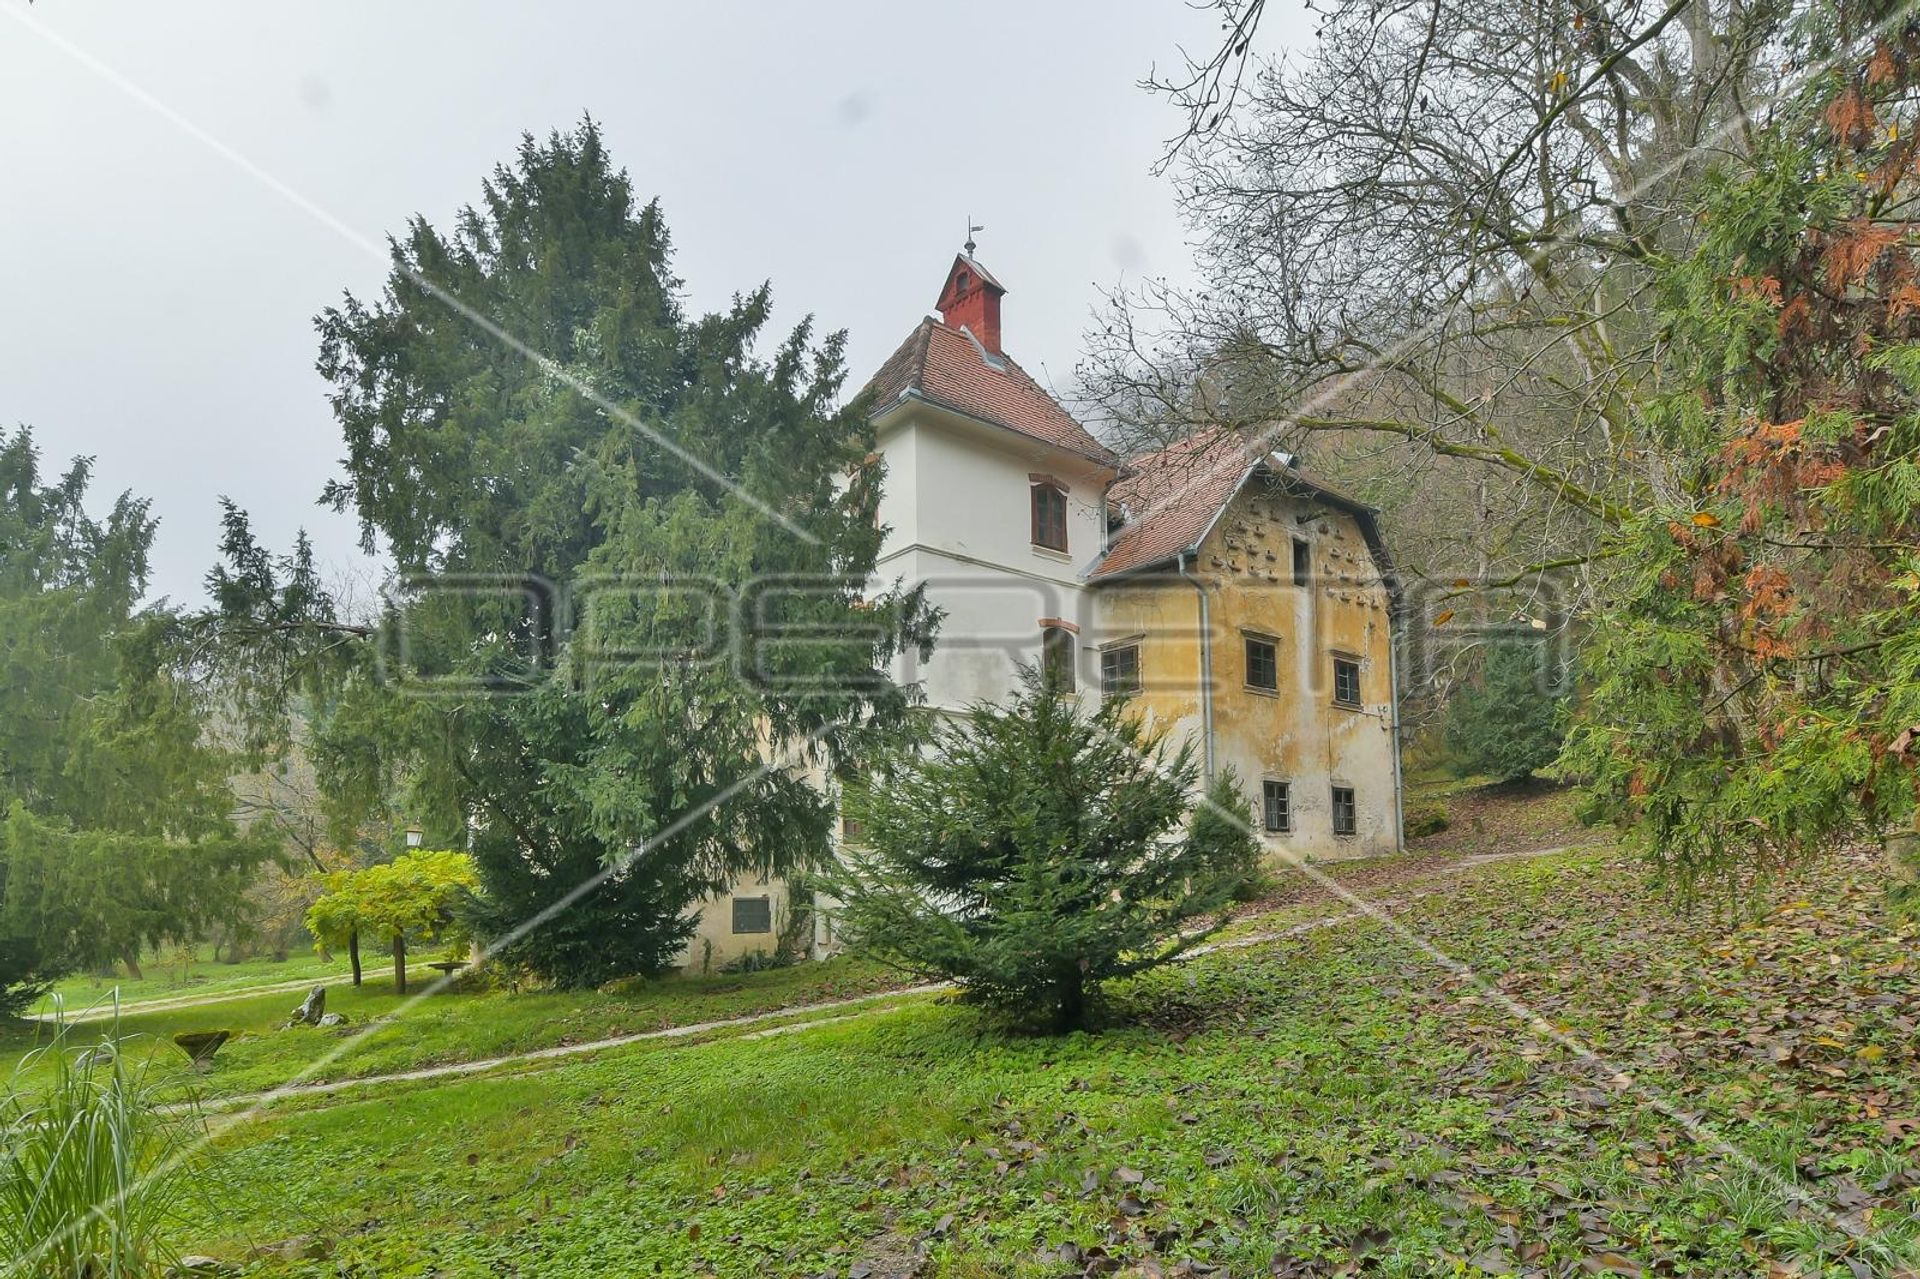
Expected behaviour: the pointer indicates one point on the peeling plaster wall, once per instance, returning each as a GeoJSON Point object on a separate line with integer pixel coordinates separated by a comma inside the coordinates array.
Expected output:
{"type": "Point", "coordinates": [1297, 733]}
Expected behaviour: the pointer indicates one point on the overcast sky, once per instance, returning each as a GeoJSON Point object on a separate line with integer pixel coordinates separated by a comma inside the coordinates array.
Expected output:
{"type": "Point", "coordinates": [160, 283]}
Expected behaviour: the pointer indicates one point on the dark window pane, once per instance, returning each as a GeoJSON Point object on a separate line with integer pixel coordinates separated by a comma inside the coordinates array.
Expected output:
{"type": "Point", "coordinates": [1346, 682]}
{"type": "Point", "coordinates": [1275, 806]}
{"type": "Point", "coordinates": [1120, 670]}
{"type": "Point", "coordinates": [1345, 820]}
{"type": "Point", "coordinates": [1302, 562]}
{"type": "Point", "coordinates": [1056, 657]}
{"type": "Point", "coordinates": [1263, 668]}
{"type": "Point", "coordinates": [1049, 517]}
{"type": "Point", "coordinates": [753, 914]}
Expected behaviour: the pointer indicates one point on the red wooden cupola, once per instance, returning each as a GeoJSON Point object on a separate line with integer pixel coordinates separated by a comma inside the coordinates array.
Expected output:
{"type": "Point", "coordinates": [971, 300]}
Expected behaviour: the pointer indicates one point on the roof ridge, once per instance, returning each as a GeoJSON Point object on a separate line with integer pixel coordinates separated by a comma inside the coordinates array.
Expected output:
{"type": "Point", "coordinates": [953, 372]}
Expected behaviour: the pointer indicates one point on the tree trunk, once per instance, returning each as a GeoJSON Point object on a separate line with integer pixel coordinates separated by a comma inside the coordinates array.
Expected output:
{"type": "Point", "coordinates": [132, 960]}
{"type": "Point", "coordinates": [1903, 860]}
{"type": "Point", "coordinates": [400, 964]}
{"type": "Point", "coordinates": [353, 953]}
{"type": "Point", "coordinates": [1071, 1013]}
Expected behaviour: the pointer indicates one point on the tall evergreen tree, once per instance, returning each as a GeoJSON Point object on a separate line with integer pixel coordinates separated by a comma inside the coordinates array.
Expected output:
{"type": "Point", "coordinates": [114, 811]}
{"type": "Point", "coordinates": [634, 568]}
{"type": "Point", "coordinates": [1510, 718]}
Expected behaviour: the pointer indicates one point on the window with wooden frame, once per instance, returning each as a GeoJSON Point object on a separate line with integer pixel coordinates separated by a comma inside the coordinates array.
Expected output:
{"type": "Point", "coordinates": [852, 829]}
{"type": "Point", "coordinates": [1263, 663]}
{"type": "Point", "coordinates": [753, 914]}
{"type": "Point", "coordinates": [1049, 515]}
{"type": "Point", "coordinates": [1056, 658]}
{"type": "Point", "coordinates": [1346, 681]}
{"type": "Point", "coordinates": [1346, 816]}
{"type": "Point", "coordinates": [1120, 670]}
{"type": "Point", "coordinates": [1276, 806]}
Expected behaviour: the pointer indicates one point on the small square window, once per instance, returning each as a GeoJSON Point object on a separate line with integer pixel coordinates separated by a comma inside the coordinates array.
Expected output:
{"type": "Point", "coordinates": [1346, 819]}
{"type": "Point", "coordinates": [1049, 517]}
{"type": "Point", "coordinates": [1120, 670]}
{"type": "Point", "coordinates": [753, 914]}
{"type": "Point", "coordinates": [852, 829]}
{"type": "Point", "coordinates": [1276, 807]}
{"type": "Point", "coordinates": [1263, 665]}
{"type": "Point", "coordinates": [1302, 562]}
{"type": "Point", "coordinates": [1346, 681]}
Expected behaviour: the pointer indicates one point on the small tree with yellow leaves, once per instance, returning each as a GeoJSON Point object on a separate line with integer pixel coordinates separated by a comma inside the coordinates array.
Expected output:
{"type": "Point", "coordinates": [417, 896]}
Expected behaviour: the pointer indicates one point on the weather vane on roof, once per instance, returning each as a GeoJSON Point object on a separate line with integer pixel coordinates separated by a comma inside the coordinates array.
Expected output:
{"type": "Point", "coordinates": [972, 226]}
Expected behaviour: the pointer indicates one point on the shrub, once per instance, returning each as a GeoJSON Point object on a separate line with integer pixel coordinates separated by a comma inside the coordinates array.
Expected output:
{"type": "Point", "coordinates": [1428, 819]}
{"type": "Point", "coordinates": [1037, 851]}
{"type": "Point", "coordinates": [1512, 718]}
{"type": "Point", "coordinates": [757, 961]}
{"type": "Point", "coordinates": [93, 1168]}
{"type": "Point", "coordinates": [1902, 849]}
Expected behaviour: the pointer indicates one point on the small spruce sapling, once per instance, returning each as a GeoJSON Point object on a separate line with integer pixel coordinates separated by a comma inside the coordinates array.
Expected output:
{"type": "Point", "coordinates": [1037, 850]}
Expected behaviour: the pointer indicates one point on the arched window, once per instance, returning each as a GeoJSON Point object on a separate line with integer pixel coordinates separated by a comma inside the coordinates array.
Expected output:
{"type": "Point", "coordinates": [1056, 658]}
{"type": "Point", "coordinates": [1049, 516]}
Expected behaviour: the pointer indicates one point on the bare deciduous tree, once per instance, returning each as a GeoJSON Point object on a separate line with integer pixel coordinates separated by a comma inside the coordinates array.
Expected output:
{"type": "Point", "coordinates": [1425, 245]}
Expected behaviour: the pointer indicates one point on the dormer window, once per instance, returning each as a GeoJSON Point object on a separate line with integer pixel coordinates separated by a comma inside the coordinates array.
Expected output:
{"type": "Point", "coordinates": [1049, 515]}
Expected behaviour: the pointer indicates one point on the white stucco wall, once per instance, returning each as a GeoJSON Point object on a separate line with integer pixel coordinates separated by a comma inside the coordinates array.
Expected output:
{"type": "Point", "coordinates": [958, 507]}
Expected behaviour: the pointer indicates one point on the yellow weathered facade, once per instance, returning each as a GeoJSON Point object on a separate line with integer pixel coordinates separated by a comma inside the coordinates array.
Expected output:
{"type": "Point", "coordinates": [1198, 621]}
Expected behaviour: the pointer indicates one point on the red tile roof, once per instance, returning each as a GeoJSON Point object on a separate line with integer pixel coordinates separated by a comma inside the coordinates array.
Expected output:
{"type": "Point", "coordinates": [1173, 496]}
{"type": "Point", "coordinates": [945, 366]}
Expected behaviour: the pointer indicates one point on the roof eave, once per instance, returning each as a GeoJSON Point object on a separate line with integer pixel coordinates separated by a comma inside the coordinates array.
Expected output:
{"type": "Point", "coordinates": [1109, 462]}
{"type": "Point", "coordinates": [1367, 517]}
{"type": "Point", "coordinates": [1094, 577]}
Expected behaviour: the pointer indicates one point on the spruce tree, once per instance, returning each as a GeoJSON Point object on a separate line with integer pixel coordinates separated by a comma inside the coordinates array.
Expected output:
{"type": "Point", "coordinates": [633, 551]}
{"type": "Point", "coordinates": [1512, 718]}
{"type": "Point", "coordinates": [1037, 850]}
{"type": "Point", "coordinates": [115, 826]}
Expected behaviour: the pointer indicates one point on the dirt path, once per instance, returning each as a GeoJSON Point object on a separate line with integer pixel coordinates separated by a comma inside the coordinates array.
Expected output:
{"type": "Point", "coordinates": [832, 1011]}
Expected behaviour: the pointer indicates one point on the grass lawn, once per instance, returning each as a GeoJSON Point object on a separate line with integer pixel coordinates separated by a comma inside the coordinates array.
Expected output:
{"type": "Point", "coordinates": [183, 975]}
{"type": "Point", "coordinates": [461, 1026]}
{"type": "Point", "coordinates": [1527, 814]}
{"type": "Point", "coordinates": [1335, 1102]}
{"type": "Point", "coordinates": [451, 1026]}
